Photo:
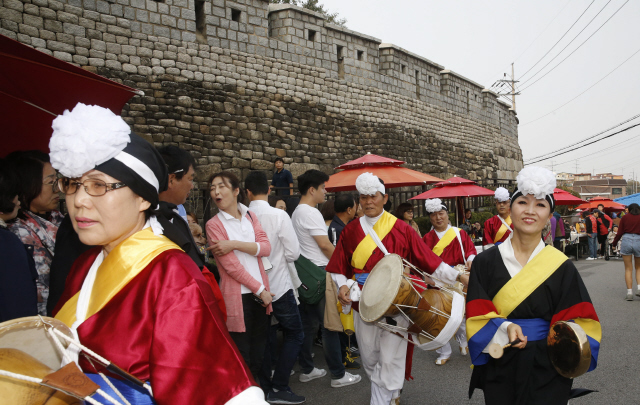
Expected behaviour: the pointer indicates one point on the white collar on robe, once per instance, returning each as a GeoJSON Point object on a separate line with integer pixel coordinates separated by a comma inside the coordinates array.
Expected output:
{"type": "Point", "coordinates": [509, 258]}
{"type": "Point", "coordinates": [372, 221]}
{"type": "Point", "coordinates": [441, 234]}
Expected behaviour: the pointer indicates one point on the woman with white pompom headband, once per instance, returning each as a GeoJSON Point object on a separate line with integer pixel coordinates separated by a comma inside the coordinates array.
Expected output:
{"type": "Point", "coordinates": [516, 292]}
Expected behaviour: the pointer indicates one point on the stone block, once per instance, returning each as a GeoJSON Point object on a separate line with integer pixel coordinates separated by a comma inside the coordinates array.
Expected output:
{"type": "Point", "coordinates": [33, 20]}
{"type": "Point", "coordinates": [56, 46]}
{"type": "Point", "coordinates": [240, 163]}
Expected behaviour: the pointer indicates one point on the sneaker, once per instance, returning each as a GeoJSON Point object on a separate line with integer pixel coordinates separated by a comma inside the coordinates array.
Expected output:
{"type": "Point", "coordinates": [351, 364]}
{"type": "Point", "coordinates": [317, 341]}
{"type": "Point", "coordinates": [347, 379]}
{"type": "Point", "coordinates": [441, 362]}
{"type": "Point", "coordinates": [315, 373]}
{"type": "Point", "coordinates": [464, 350]}
{"type": "Point", "coordinates": [638, 293]}
{"type": "Point", "coordinates": [590, 258]}
{"type": "Point", "coordinates": [629, 297]}
{"type": "Point", "coordinates": [355, 353]}
{"type": "Point", "coordinates": [284, 397]}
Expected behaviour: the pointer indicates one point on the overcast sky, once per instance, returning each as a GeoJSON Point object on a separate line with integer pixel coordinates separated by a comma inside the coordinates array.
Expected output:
{"type": "Point", "coordinates": [480, 39]}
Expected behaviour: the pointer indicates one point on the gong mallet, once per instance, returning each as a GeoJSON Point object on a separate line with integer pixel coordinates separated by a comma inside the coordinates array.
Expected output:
{"type": "Point", "coordinates": [496, 350]}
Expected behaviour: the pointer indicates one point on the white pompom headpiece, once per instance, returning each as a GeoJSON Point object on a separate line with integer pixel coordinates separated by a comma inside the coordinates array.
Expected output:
{"type": "Point", "coordinates": [501, 194]}
{"type": "Point", "coordinates": [538, 182]}
{"type": "Point", "coordinates": [369, 184]}
{"type": "Point", "coordinates": [85, 137]}
{"type": "Point", "coordinates": [434, 205]}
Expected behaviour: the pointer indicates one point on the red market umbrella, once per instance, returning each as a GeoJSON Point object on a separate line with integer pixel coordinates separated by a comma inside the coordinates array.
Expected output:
{"type": "Point", "coordinates": [564, 197]}
{"type": "Point", "coordinates": [455, 187]}
{"type": "Point", "coordinates": [609, 205]}
{"type": "Point", "coordinates": [370, 160]}
{"type": "Point", "coordinates": [393, 176]}
{"type": "Point", "coordinates": [35, 87]}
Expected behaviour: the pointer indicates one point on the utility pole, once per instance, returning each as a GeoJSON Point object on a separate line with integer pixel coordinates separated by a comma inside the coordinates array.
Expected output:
{"type": "Point", "coordinates": [512, 83]}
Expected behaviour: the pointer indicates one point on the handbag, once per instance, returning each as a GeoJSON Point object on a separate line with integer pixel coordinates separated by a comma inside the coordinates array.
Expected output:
{"type": "Point", "coordinates": [313, 281]}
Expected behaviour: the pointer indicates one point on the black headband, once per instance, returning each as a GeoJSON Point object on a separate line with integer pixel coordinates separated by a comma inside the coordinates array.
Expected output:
{"type": "Point", "coordinates": [548, 197]}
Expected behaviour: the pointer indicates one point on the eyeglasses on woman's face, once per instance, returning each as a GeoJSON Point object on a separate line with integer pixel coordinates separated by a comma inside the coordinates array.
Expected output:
{"type": "Point", "coordinates": [93, 187]}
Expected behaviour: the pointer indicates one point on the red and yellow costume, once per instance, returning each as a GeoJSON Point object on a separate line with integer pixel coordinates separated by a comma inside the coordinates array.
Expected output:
{"type": "Point", "coordinates": [154, 315]}
{"type": "Point", "coordinates": [495, 231]}
{"type": "Point", "coordinates": [448, 248]}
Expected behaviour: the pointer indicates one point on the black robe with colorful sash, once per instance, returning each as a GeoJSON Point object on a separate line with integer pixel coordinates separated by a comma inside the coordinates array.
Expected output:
{"type": "Point", "coordinates": [525, 376]}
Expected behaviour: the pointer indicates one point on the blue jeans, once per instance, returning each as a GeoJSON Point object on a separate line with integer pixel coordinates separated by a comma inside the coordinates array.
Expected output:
{"type": "Point", "coordinates": [312, 317]}
{"type": "Point", "coordinates": [593, 245]}
{"type": "Point", "coordinates": [286, 312]}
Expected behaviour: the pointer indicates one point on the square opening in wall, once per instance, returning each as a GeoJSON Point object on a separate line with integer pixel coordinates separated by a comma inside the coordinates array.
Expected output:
{"type": "Point", "coordinates": [311, 36]}
{"type": "Point", "coordinates": [430, 79]}
{"type": "Point", "coordinates": [201, 26]}
{"type": "Point", "coordinates": [235, 15]}
{"type": "Point", "coordinates": [403, 69]}
{"type": "Point", "coordinates": [457, 90]}
{"type": "Point", "coordinates": [360, 55]}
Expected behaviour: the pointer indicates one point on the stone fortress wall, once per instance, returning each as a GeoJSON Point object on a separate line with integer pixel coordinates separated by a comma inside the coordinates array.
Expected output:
{"type": "Point", "coordinates": [241, 82]}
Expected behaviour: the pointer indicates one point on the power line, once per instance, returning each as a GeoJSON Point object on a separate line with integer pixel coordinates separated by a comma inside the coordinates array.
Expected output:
{"type": "Point", "coordinates": [563, 35]}
{"type": "Point", "coordinates": [603, 152]}
{"type": "Point", "coordinates": [588, 138]}
{"type": "Point", "coordinates": [589, 88]}
{"type": "Point", "coordinates": [582, 146]}
{"type": "Point", "coordinates": [542, 32]}
{"type": "Point", "coordinates": [579, 46]}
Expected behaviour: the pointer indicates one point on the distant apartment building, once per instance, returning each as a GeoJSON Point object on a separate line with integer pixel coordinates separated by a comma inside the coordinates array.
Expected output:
{"type": "Point", "coordinates": [581, 176]}
{"type": "Point", "coordinates": [607, 176]}
{"type": "Point", "coordinates": [602, 187]}
{"type": "Point", "coordinates": [565, 179]}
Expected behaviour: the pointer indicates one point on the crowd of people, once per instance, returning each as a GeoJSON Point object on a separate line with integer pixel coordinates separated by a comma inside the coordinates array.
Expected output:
{"type": "Point", "coordinates": [137, 279]}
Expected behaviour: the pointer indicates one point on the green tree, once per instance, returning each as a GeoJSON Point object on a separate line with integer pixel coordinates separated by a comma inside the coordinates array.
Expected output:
{"type": "Point", "coordinates": [314, 5]}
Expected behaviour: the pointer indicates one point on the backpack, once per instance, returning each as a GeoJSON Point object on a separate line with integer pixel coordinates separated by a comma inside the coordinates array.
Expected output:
{"type": "Point", "coordinates": [313, 281]}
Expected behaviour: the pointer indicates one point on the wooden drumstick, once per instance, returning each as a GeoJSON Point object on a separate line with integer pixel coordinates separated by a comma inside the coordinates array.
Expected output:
{"type": "Point", "coordinates": [496, 351]}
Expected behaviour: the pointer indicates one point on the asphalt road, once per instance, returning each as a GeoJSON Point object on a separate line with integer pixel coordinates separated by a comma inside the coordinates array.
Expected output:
{"type": "Point", "coordinates": [617, 377]}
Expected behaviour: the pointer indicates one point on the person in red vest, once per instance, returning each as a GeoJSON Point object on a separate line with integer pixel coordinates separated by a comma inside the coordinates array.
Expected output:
{"type": "Point", "coordinates": [591, 225]}
{"type": "Point", "coordinates": [454, 246]}
{"type": "Point", "coordinates": [604, 227]}
{"type": "Point", "coordinates": [498, 228]}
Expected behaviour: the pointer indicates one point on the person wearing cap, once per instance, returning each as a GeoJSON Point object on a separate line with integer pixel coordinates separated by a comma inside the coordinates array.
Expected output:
{"type": "Point", "coordinates": [383, 354]}
{"type": "Point", "coordinates": [455, 247]}
{"type": "Point", "coordinates": [135, 297]}
{"type": "Point", "coordinates": [498, 228]}
{"type": "Point", "coordinates": [517, 291]}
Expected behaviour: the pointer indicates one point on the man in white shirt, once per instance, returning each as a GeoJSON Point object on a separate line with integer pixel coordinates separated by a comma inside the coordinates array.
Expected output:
{"type": "Point", "coordinates": [284, 249]}
{"type": "Point", "coordinates": [312, 234]}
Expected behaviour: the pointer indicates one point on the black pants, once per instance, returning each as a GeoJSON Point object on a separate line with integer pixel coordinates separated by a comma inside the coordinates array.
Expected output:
{"type": "Point", "coordinates": [251, 343]}
{"type": "Point", "coordinates": [602, 239]}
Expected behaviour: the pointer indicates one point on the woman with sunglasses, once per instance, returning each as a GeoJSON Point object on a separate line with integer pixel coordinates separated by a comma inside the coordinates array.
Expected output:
{"type": "Point", "coordinates": [136, 298]}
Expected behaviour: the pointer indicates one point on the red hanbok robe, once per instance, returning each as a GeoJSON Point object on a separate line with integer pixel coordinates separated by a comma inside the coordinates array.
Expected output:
{"type": "Point", "coordinates": [163, 326]}
{"type": "Point", "coordinates": [401, 240]}
{"type": "Point", "coordinates": [492, 231]}
{"type": "Point", "coordinates": [452, 254]}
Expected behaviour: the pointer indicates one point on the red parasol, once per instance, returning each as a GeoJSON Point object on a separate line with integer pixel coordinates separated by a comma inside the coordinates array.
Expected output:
{"type": "Point", "coordinates": [564, 197]}
{"type": "Point", "coordinates": [388, 170]}
{"type": "Point", "coordinates": [455, 187]}
{"type": "Point", "coordinates": [609, 205]}
{"type": "Point", "coordinates": [35, 87]}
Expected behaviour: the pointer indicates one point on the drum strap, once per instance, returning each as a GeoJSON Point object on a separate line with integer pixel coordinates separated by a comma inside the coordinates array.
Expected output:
{"type": "Point", "coordinates": [368, 229]}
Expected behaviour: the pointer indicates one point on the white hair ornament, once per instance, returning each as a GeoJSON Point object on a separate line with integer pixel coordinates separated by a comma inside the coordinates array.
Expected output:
{"type": "Point", "coordinates": [537, 181]}
{"type": "Point", "coordinates": [434, 205]}
{"type": "Point", "coordinates": [85, 137]}
{"type": "Point", "coordinates": [368, 184]}
{"type": "Point", "coordinates": [501, 194]}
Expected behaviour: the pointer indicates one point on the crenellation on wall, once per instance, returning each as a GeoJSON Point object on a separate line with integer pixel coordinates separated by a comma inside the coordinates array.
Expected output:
{"type": "Point", "coordinates": [258, 88]}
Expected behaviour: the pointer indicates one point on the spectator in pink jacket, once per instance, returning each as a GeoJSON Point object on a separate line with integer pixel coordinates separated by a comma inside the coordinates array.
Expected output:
{"type": "Point", "coordinates": [238, 244]}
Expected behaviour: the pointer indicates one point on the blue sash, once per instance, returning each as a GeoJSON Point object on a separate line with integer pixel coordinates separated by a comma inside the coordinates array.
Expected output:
{"type": "Point", "coordinates": [134, 394]}
{"type": "Point", "coordinates": [534, 329]}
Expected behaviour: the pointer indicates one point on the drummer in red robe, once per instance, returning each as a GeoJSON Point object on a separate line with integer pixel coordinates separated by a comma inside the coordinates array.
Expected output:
{"type": "Point", "coordinates": [455, 247]}
{"type": "Point", "coordinates": [136, 298]}
{"type": "Point", "coordinates": [383, 353]}
{"type": "Point", "coordinates": [498, 228]}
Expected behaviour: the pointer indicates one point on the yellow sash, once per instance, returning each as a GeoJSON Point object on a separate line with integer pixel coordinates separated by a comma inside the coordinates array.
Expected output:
{"type": "Point", "coordinates": [447, 238]}
{"type": "Point", "coordinates": [366, 246]}
{"type": "Point", "coordinates": [120, 266]}
{"type": "Point", "coordinates": [503, 229]}
{"type": "Point", "coordinates": [532, 275]}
